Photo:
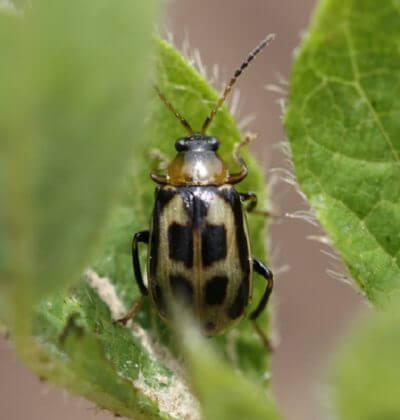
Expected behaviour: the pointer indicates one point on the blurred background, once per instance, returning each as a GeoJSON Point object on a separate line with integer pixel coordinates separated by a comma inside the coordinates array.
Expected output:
{"type": "Point", "coordinates": [313, 309]}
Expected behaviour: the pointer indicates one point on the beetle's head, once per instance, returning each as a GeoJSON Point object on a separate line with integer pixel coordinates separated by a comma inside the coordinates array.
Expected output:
{"type": "Point", "coordinates": [197, 143]}
{"type": "Point", "coordinates": [197, 162]}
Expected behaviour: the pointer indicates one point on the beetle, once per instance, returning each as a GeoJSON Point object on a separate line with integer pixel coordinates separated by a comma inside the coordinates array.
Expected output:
{"type": "Point", "coordinates": [198, 242]}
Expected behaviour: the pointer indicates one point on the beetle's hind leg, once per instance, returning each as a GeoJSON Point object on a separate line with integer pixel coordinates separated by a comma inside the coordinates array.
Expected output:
{"type": "Point", "coordinates": [263, 337]}
{"type": "Point", "coordinates": [264, 271]}
{"type": "Point", "coordinates": [143, 237]}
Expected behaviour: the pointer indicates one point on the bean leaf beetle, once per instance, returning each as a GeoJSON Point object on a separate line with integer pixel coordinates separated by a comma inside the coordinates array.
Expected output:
{"type": "Point", "coordinates": [198, 242]}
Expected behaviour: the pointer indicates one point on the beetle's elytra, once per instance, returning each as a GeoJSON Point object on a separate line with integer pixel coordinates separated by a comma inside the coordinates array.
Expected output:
{"type": "Point", "coordinates": [198, 243]}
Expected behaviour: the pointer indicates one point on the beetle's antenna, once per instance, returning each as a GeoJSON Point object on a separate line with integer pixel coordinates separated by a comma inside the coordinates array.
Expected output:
{"type": "Point", "coordinates": [237, 73]}
{"type": "Point", "coordinates": [175, 112]}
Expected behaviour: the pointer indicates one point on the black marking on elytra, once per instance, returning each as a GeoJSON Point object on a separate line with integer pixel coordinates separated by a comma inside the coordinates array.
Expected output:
{"type": "Point", "coordinates": [181, 289]}
{"type": "Point", "coordinates": [213, 244]}
{"type": "Point", "coordinates": [232, 197]}
{"type": "Point", "coordinates": [216, 290]}
{"type": "Point", "coordinates": [159, 299]}
{"type": "Point", "coordinates": [163, 196]}
{"type": "Point", "coordinates": [187, 197]}
{"type": "Point", "coordinates": [200, 212]}
{"type": "Point", "coordinates": [202, 200]}
{"type": "Point", "coordinates": [240, 302]}
{"type": "Point", "coordinates": [180, 243]}
{"type": "Point", "coordinates": [196, 202]}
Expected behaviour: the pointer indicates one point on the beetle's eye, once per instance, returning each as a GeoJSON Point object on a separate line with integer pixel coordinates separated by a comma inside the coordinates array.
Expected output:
{"type": "Point", "coordinates": [181, 145]}
{"type": "Point", "coordinates": [214, 143]}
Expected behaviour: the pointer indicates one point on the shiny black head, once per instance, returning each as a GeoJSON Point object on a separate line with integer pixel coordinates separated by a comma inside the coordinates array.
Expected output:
{"type": "Point", "coordinates": [197, 143]}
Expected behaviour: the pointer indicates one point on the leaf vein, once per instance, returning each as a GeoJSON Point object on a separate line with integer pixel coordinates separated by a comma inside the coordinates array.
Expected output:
{"type": "Point", "coordinates": [361, 221]}
{"type": "Point", "coordinates": [364, 96]}
{"type": "Point", "coordinates": [352, 158]}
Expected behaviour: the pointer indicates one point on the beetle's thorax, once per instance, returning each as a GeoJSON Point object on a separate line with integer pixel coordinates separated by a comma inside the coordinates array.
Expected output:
{"type": "Point", "coordinates": [197, 162]}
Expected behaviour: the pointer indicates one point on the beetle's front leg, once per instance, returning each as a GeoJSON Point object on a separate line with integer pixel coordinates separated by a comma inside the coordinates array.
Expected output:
{"type": "Point", "coordinates": [162, 160]}
{"type": "Point", "coordinates": [248, 138]}
{"type": "Point", "coordinates": [143, 237]}
{"type": "Point", "coordinates": [162, 164]}
{"type": "Point", "coordinates": [237, 157]}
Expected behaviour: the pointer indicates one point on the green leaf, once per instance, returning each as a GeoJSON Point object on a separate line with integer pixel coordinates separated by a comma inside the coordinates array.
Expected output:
{"type": "Point", "coordinates": [76, 345]}
{"type": "Point", "coordinates": [223, 392]}
{"type": "Point", "coordinates": [73, 80]}
{"type": "Point", "coordinates": [95, 117]}
{"type": "Point", "coordinates": [344, 129]}
{"type": "Point", "coordinates": [366, 381]}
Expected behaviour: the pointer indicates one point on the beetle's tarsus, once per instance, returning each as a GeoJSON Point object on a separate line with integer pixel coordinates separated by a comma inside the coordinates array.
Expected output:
{"type": "Point", "coordinates": [267, 213]}
{"type": "Point", "coordinates": [121, 321]}
{"type": "Point", "coordinates": [263, 337]}
{"type": "Point", "coordinates": [131, 313]}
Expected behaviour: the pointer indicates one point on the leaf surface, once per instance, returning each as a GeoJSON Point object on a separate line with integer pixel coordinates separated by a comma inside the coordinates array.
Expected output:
{"type": "Point", "coordinates": [365, 382]}
{"type": "Point", "coordinates": [225, 394]}
{"type": "Point", "coordinates": [71, 112]}
{"type": "Point", "coordinates": [344, 129]}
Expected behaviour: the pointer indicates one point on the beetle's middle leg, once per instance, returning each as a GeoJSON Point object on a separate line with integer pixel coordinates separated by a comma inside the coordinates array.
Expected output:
{"type": "Point", "coordinates": [251, 199]}
{"type": "Point", "coordinates": [143, 237]}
